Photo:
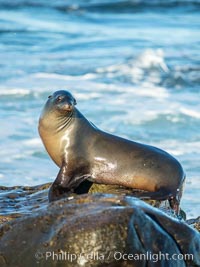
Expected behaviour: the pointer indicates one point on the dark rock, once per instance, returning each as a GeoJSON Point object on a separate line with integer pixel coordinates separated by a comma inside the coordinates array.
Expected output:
{"type": "Point", "coordinates": [98, 230]}
{"type": "Point", "coordinates": [195, 223]}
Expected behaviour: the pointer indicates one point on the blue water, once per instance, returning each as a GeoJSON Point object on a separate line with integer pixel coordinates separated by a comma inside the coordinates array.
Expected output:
{"type": "Point", "coordinates": [133, 67]}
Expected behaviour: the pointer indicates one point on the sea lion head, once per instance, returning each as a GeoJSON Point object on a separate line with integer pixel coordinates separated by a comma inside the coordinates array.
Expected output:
{"type": "Point", "coordinates": [60, 101]}
{"type": "Point", "coordinates": [57, 112]}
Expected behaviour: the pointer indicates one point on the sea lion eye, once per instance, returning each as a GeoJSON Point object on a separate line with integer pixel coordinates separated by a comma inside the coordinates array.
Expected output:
{"type": "Point", "coordinates": [59, 98]}
{"type": "Point", "coordinates": [50, 96]}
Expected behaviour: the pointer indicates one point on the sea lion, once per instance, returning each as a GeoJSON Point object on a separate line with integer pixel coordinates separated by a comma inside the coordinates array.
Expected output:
{"type": "Point", "coordinates": [86, 154]}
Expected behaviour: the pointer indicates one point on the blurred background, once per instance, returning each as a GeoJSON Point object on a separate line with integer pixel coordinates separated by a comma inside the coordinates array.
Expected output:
{"type": "Point", "coordinates": [133, 67]}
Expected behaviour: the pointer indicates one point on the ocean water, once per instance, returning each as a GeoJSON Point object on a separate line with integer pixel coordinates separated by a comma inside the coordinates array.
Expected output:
{"type": "Point", "coordinates": [133, 66]}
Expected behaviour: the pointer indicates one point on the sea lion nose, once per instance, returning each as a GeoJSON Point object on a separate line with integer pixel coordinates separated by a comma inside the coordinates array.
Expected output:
{"type": "Point", "coordinates": [67, 107]}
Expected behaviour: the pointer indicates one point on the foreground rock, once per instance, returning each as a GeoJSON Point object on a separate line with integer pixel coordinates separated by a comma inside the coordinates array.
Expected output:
{"type": "Point", "coordinates": [98, 230]}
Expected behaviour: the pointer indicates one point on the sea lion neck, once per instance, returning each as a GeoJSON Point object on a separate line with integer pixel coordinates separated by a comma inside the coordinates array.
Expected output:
{"type": "Point", "coordinates": [59, 133]}
{"type": "Point", "coordinates": [72, 120]}
{"type": "Point", "coordinates": [63, 122]}
{"type": "Point", "coordinates": [55, 122]}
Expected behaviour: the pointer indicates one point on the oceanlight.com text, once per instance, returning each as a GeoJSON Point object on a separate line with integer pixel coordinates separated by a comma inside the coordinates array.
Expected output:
{"type": "Point", "coordinates": [116, 255]}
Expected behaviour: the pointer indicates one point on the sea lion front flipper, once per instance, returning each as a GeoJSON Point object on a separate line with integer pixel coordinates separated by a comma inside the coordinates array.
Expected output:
{"type": "Point", "coordinates": [67, 182]}
{"type": "Point", "coordinates": [59, 186]}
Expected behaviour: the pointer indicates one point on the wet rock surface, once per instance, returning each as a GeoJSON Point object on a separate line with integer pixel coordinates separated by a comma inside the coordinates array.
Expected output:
{"type": "Point", "coordinates": [90, 230]}
{"type": "Point", "coordinates": [18, 201]}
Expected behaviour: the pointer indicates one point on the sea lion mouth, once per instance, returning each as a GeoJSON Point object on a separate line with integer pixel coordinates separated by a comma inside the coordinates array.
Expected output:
{"type": "Point", "coordinates": [67, 107]}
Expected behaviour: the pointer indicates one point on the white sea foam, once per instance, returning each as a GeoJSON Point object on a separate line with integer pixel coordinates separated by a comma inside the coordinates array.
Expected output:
{"type": "Point", "coordinates": [56, 76]}
{"type": "Point", "coordinates": [41, 81]}
{"type": "Point", "coordinates": [34, 142]}
{"type": "Point", "coordinates": [152, 58]}
{"type": "Point", "coordinates": [136, 69]}
{"type": "Point", "coordinates": [190, 112]}
{"type": "Point", "coordinates": [177, 148]}
{"type": "Point", "coordinates": [148, 89]}
{"type": "Point", "coordinates": [14, 91]}
{"type": "Point", "coordinates": [89, 95]}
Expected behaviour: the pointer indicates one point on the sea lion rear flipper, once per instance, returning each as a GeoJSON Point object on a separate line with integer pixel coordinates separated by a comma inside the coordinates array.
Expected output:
{"type": "Point", "coordinates": [162, 194]}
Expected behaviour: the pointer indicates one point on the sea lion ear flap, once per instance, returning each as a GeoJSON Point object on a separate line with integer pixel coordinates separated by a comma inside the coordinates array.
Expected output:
{"type": "Point", "coordinates": [75, 102]}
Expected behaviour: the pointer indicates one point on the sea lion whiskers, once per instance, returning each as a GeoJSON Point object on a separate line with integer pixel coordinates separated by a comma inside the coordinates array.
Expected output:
{"type": "Point", "coordinates": [64, 121]}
